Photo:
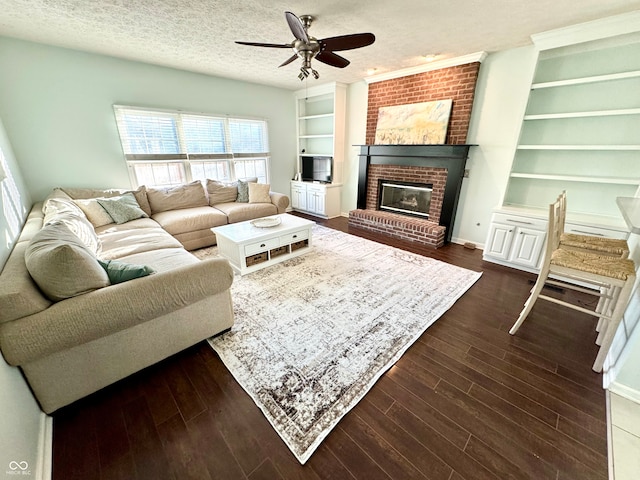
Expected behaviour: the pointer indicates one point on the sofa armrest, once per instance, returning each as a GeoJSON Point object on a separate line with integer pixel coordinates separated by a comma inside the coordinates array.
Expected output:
{"type": "Point", "coordinates": [280, 200]}
{"type": "Point", "coordinates": [93, 315]}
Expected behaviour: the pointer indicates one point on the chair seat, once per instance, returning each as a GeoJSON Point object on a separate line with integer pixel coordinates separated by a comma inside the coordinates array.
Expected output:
{"type": "Point", "coordinates": [609, 277]}
{"type": "Point", "coordinates": [609, 267]}
{"type": "Point", "coordinates": [611, 246]}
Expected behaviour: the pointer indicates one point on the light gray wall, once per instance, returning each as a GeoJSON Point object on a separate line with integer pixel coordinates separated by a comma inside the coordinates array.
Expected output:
{"type": "Point", "coordinates": [501, 97]}
{"type": "Point", "coordinates": [57, 108]}
{"type": "Point", "coordinates": [21, 421]}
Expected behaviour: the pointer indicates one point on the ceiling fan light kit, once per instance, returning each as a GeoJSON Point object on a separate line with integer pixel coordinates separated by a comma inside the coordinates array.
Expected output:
{"type": "Point", "coordinates": [307, 48]}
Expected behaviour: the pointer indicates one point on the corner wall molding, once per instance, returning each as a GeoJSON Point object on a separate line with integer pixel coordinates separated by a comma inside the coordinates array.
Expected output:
{"type": "Point", "coordinates": [585, 32]}
{"type": "Point", "coordinates": [446, 63]}
{"type": "Point", "coordinates": [44, 467]}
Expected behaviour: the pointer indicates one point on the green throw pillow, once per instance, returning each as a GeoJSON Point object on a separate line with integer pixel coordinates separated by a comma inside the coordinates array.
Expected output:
{"type": "Point", "coordinates": [243, 192]}
{"type": "Point", "coordinates": [119, 272]}
{"type": "Point", "coordinates": [123, 208]}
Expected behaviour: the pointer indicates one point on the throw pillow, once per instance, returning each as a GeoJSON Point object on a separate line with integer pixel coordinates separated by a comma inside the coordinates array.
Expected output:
{"type": "Point", "coordinates": [119, 272]}
{"type": "Point", "coordinates": [123, 208]}
{"type": "Point", "coordinates": [95, 212]}
{"type": "Point", "coordinates": [259, 193]}
{"type": "Point", "coordinates": [61, 265]}
{"type": "Point", "coordinates": [86, 193]}
{"type": "Point", "coordinates": [141, 198]}
{"type": "Point", "coordinates": [243, 192]}
{"type": "Point", "coordinates": [221, 193]}
{"type": "Point", "coordinates": [173, 198]}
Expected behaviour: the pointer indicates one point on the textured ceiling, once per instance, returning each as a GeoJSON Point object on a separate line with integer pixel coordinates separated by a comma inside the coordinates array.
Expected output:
{"type": "Point", "coordinates": [199, 35]}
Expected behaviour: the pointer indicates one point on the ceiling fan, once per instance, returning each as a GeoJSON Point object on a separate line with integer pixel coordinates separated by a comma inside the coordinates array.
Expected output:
{"type": "Point", "coordinates": [308, 48]}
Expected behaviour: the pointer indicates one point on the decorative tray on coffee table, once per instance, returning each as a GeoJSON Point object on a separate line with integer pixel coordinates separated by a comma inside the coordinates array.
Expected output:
{"type": "Point", "coordinates": [266, 222]}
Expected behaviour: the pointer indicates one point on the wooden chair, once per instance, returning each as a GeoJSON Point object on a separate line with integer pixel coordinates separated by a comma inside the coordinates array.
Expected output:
{"type": "Point", "coordinates": [607, 277]}
{"type": "Point", "coordinates": [590, 243]}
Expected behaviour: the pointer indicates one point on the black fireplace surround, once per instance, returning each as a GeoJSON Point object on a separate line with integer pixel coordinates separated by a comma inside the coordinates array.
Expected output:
{"type": "Point", "coordinates": [453, 158]}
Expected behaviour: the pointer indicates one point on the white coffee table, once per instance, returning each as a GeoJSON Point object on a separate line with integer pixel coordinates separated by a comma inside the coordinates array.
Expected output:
{"type": "Point", "coordinates": [249, 248]}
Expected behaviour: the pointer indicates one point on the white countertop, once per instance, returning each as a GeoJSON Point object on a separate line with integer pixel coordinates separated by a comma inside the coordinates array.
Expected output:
{"type": "Point", "coordinates": [630, 208]}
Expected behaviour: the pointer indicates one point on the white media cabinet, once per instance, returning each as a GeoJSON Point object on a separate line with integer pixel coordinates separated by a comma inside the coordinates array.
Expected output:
{"type": "Point", "coordinates": [320, 199]}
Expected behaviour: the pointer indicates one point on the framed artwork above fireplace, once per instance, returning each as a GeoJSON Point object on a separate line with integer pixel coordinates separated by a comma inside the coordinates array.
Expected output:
{"type": "Point", "coordinates": [413, 124]}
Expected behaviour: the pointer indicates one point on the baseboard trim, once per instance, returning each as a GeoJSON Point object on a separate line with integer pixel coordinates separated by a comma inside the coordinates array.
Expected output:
{"type": "Point", "coordinates": [45, 448]}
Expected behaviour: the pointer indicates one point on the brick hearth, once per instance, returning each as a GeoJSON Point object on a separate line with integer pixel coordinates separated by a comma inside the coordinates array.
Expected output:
{"type": "Point", "coordinates": [399, 226]}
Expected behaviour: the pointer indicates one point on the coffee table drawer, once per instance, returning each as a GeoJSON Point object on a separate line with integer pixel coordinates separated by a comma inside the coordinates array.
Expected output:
{"type": "Point", "coordinates": [294, 237]}
{"type": "Point", "coordinates": [262, 246]}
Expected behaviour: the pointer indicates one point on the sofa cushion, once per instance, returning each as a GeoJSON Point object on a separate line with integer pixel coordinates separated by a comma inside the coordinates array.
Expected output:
{"type": "Point", "coordinates": [81, 228]}
{"type": "Point", "coordinates": [94, 212]}
{"type": "Point", "coordinates": [240, 212]}
{"type": "Point", "coordinates": [259, 193]}
{"type": "Point", "coordinates": [163, 259]}
{"type": "Point", "coordinates": [119, 272]}
{"type": "Point", "coordinates": [85, 193]}
{"type": "Point", "coordinates": [173, 198]}
{"type": "Point", "coordinates": [221, 192]}
{"type": "Point", "coordinates": [190, 219]}
{"type": "Point", "coordinates": [123, 208]}
{"type": "Point", "coordinates": [122, 241]}
{"type": "Point", "coordinates": [53, 207]}
{"type": "Point", "coordinates": [61, 264]}
{"type": "Point", "coordinates": [19, 294]}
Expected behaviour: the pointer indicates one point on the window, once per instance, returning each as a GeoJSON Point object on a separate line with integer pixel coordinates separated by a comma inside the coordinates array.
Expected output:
{"type": "Point", "coordinates": [164, 148]}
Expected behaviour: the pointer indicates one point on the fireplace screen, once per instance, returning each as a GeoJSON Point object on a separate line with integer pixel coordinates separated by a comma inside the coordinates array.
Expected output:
{"type": "Point", "coordinates": [406, 198]}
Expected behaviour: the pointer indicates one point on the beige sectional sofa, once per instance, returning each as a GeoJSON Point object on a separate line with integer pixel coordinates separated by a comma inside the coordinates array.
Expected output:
{"type": "Point", "coordinates": [86, 301]}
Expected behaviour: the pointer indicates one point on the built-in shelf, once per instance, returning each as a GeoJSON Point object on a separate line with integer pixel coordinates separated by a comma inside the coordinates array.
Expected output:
{"type": "Point", "coordinates": [309, 154]}
{"type": "Point", "coordinates": [598, 113]}
{"type": "Point", "coordinates": [579, 132]}
{"type": "Point", "coordinates": [578, 178]}
{"type": "Point", "coordinates": [320, 114]}
{"type": "Point", "coordinates": [583, 80]}
{"type": "Point", "coordinates": [578, 147]}
{"type": "Point", "coordinates": [311, 117]}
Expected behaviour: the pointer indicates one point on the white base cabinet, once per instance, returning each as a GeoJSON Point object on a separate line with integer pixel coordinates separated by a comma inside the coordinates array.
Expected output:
{"type": "Point", "coordinates": [515, 241]}
{"type": "Point", "coordinates": [321, 199]}
{"type": "Point", "coordinates": [517, 237]}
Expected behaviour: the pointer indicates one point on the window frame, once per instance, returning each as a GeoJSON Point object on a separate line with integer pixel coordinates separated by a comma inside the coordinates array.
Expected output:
{"type": "Point", "coordinates": [189, 161]}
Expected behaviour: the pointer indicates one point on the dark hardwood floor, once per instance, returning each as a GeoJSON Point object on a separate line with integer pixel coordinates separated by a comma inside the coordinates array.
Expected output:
{"type": "Point", "coordinates": [466, 401]}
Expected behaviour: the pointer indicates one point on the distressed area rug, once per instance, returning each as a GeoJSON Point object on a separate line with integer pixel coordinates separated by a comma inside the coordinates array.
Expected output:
{"type": "Point", "coordinates": [314, 333]}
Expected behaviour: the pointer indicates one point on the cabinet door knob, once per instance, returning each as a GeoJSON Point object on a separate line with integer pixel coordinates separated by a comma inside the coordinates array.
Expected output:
{"type": "Point", "coordinates": [262, 245]}
{"type": "Point", "coordinates": [295, 236]}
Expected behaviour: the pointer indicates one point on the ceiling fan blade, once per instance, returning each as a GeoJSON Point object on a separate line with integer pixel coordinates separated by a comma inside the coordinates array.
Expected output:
{"type": "Point", "coordinates": [296, 27]}
{"type": "Point", "coordinates": [288, 61]}
{"type": "Point", "coordinates": [332, 59]}
{"type": "Point", "coordinates": [270, 45]}
{"type": "Point", "coordinates": [347, 42]}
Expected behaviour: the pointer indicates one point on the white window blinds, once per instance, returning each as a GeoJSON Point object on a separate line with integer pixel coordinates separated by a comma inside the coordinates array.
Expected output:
{"type": "Point", "coordinates": [169, 147]}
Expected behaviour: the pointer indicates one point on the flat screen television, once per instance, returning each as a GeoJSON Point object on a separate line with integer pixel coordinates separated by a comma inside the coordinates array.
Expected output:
{"type": "Point", "coordinates": [317, 169]}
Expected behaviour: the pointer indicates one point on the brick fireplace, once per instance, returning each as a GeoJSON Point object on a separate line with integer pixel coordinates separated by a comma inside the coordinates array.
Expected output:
{"type": "Point", "coordinates": [440, 165]}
